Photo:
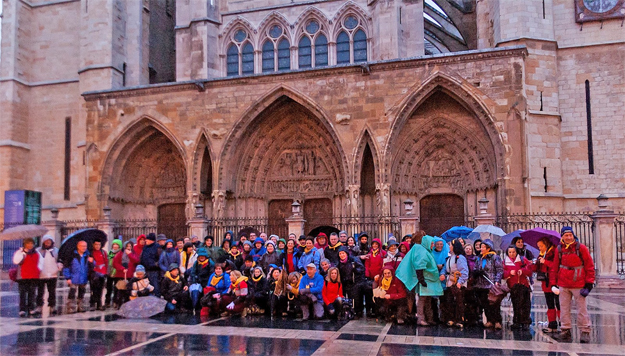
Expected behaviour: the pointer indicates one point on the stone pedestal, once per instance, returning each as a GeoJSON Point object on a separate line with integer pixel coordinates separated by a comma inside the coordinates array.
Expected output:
{"type": "Point", "coordinates": [409, 225]}
{"type": "Point", "coordinates": [199, 227]}
{"type": "Point", "coordinates": [605, 242]}
{"type": "Point", "coordinates": [55, 229]}
{"type": "Point", "coordinates": [296, 225]}
{"type": "Point", "coordinates": [108, 226]}
{"type": "Point", "coordinates": [486, 219]}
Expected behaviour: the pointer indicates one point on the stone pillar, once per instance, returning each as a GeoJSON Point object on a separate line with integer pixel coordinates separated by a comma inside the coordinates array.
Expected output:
{"type": "Point", "coordinates": [605, 239]}
{"type": "Point", "coordinates": [484, 218]}
{"type": "Point", "coordinates": [409, 225]}
{"type": "Point", "coordinates": [296, 225]}
{"type": "Point", "coordinates": [108, 226]}
{"type": "Point", "coordinates": [199, 223]}
{"type": "Point", "coordinates": [55, 227]}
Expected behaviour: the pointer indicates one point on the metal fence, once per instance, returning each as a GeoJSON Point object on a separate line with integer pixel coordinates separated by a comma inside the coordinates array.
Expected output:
{"type": "Point", "coordinates": [582, 224]}
{"type": "Point", "coordinates": [619, 230]}
{"type": "Point", "coordinates": [172, 228]}
{"type": "Point", "coordinates": [72, 226]}
{"type": "Point", "coordinates": [377, 227]}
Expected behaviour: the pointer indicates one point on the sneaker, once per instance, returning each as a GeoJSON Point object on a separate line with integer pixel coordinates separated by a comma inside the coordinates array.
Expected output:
{"type": "Point", "coordinates": [584, 338]}
{"type": "Point", "coordinates": [22, 314]}
{"type": "Point", "coordinates": [564, 336]}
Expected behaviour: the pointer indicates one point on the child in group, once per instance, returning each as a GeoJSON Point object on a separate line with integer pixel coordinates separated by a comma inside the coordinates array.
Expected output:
{"type": "Point", "coordinates": [140, 285]}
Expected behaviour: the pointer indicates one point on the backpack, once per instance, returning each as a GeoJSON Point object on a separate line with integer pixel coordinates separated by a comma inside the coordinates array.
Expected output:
{"type": "Point", "coordinates": [576, 252]}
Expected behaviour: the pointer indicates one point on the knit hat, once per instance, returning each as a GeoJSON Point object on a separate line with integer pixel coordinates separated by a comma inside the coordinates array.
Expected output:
{"type": "Point", "coordinates": [282, 240]}
{"type": "Point", "coordinates": [566, 229]}
{"type": "Point", "coordinates": [117, 242]}
{"type": "Point", "coordinates": [140, 269]}
{"type": "Point", "coordinates": [272, 236]}
{"type": "Point", "coordinates": [392, 243]}
{"type": "Point", "coordinates": [162, 237]}
{"type": "Point", "coordinates": [202, 252]}
{"type": "Point", "coordinates": [344, 249]}
{"type": "Point", "coordinates": [172, 266]}
{"type": "Point", "coordinates": [301, 237]}
{"type": "Point", "coordinates": [209, 237]}
{"type": "Point", "coordinates": [248, 243]}
{"type": "Point", "coordinates": [259, 240]}
{"type": "Point", "coordinates": [269, 242]}
{"type": "Point", "coordinates": [151, 236]}
{"type": "Point", "coordinates": [489, 243]}
{"type": "Point", "coordinates": [364, 233]}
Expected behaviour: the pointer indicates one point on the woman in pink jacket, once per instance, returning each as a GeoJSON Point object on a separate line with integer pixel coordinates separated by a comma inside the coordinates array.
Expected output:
{"type": "Point", "coordinates": [517, 271]}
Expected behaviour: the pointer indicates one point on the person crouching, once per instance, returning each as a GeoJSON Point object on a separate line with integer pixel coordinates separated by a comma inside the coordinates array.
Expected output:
{"type": "Point", "coordinates": [234, 301]}
{"type": "Point", "coordinates": [393, 297]}
{"type": "Point", "coordinates": [174, 290]}
{"type": "Point", "coordinates": [140, 284]}
{"type": "Point", "coordinates": [310, 293]}
{"type": "Point", "coordinates": [333, 293]}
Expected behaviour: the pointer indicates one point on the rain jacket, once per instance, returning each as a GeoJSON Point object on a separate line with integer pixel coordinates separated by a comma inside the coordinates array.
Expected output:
{"type": "Point", "coordinates": [29, 264]}
{"type": "Point", "coordinates": [489, 266]}
{"type": "Point", "coordinates": [79, 269]}
{"type": "Point", "coordinates": [258, 252]}
{"type": "Point", "coordinates": [313, 256]}
{"type": "Point", "coordinates": [374, 264]}
{"type": "Point", "coordinates": [572, 271]}
{"type": "Point", "coordinates": [133, 261]}
{"type": "Point", "coordinates": [315, 285]}
{"type": "Point", "coordinates": [420, 258]}
{"type": "Point", "coordinates": [168, 256]}
{"type": "Point", "coordinates": [49, 257]}
{"type": "Point", "coordinates": [523, 268]}
{"type": "Point", "coordinates": [222, 285]}
{"type": "Point", "coordinates": [150, 257]}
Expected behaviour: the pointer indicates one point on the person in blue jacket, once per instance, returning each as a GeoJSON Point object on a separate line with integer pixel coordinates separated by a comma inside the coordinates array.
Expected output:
{"type": "Point", "coordinates": [218, 285]}
{"type": "Point", "coordinates": [77, 275]}
{"type": "Point", "coordinates": [309, 255]}
{"type": "Point", "coordinates": [310, 293]}
{"type": "Point", "coordinates": [149, 259]}
{"type": "Point", "coordinates": [259, 249]}
{"type": "Point", "coordinates": [169, 255]}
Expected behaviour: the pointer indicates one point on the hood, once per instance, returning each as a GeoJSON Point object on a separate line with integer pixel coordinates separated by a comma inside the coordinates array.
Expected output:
{"type": "Point", "coordinates": [427, 242]}
{"type": "Point", "coordinates": [405, 243]}
{"type": "Point", "coordinates": [259, 240]}
{"type": "Point", "coordinates": [202, 252]}
{"type": "Point", "coordinates": [378, 241]}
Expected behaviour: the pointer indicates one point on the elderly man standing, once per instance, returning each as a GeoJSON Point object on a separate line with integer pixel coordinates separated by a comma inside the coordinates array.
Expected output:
{"type": "Point", "coordinates": [77, 275]}
{"type": "Point", "coordinates": [573, 277]}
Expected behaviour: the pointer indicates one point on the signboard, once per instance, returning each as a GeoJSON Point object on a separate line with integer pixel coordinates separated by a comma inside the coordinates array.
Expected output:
{"type": "Point", "coordinates": [20, 207]}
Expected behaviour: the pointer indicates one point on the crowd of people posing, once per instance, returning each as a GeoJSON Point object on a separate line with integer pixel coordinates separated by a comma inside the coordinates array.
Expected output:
{"type": "Point", "coordinates": [421, 279]}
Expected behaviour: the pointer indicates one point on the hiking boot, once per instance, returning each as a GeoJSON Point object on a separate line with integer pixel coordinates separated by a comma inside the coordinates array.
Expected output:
{"type": "Point", "coordinates": [563, 336]}
{"type": "Point", "coordinates": [450, 323]}
{"type": "Point", "coordinates": [53, 311]}
{"type": "Point", "coordinates": [71, 307]}
{"type": "Point", "coordinates": [585, 337]}
{"type": "Point", "coordinates": [459, 325]}
{"type": "Point", "coordinates": [400, 321]}
{"type": "Point", "coordinates": [488, 325]}
{"type": "Point", "coordinates": [79, 306]}
{"type": "Point", "coordinates": [92, 307]}
{"type": "Point", "coordinates": [22, 314]}
{"type": "Point", "coordinates": [551, 328]}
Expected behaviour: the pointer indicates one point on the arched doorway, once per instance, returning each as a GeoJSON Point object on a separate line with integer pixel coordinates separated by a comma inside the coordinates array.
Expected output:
{"type": "Point", "coordinates": [145, 178]}
{"type": "Point", "coordinates": [440, 212]}
{"type": "Point", "coordinates": [283, 152]}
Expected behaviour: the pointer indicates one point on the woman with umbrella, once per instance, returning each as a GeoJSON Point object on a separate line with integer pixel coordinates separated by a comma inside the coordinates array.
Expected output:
{"type": "Point", "coordinates": [488, 273]}
{"type": "Point", "coordinates": [29, 265]}
{"type": "Point", "coordinates": [544, 263]}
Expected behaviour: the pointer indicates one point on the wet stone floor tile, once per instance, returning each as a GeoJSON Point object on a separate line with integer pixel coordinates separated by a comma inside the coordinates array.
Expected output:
{"type": "Point", "coordinates": [182, 344]}
{"type": "Point", "coordinates": [419, 350]}
{"type": "Point", "coordinates": [180, 319]}
{"type": "Point", "coordinates": [51, 341]}
{"type": "Point", "coordinates": [281, 323]}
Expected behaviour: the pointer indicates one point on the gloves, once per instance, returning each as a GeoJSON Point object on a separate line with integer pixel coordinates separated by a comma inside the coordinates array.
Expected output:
{"type": "Point", "coordinates": [555, 290]}
{"type": "Point", "coordinates": [421, 278]}
{"type": "Point", "coordinates": [586, 290]}
{"type": "Point", "coordinates": [230, 306]}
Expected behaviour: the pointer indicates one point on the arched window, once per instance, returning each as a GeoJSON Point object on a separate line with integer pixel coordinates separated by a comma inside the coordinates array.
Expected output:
{"type": "Point", "coordinates": [284, 55]}
{"type": "Point", "coordinates": [305, 53]}
{"type": "Point", "coordinates": [240, 55]}
{"type": "Point", "coordinates": [232, 60]}
{"type": "Point", "coordinates": [268, 57]}
{"type": "Point", "coordinates": [321, 51]}
{"type": "Point", "coordinates": [360, 46]}
{"type": "Point", "coordinates": [342, 48]}
{"type": "Point", "coordinates": [247, 59]}
{"type": "Point", "coordinates": [351, 42]}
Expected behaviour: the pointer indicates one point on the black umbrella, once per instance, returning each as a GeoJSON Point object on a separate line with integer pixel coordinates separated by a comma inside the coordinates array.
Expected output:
{"type": "Point", "coordinates": [66, 251]}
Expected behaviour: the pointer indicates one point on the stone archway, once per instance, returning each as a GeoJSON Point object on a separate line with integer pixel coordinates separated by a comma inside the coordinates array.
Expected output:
{"type": "Point", "coordinates": [288, 150]}
{"type": "Point", "coordinates": [144, 176]}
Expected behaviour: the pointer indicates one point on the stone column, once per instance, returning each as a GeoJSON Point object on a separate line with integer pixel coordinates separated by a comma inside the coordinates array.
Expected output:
{"type": "Point", "coordinates": [296, 225]}
{"type": "Point", "coordinates": [55, 227]}
{"type": "Point", "coordinates": [484, 218]}
{"type": "Point", "coordinates": [605, 239]}
{"type": "Point", "coordinates": [199, 223]}
{"type": "Point", "coordinates": [108, 226]}
{"type": "Point", "coordinates": [409, 225]}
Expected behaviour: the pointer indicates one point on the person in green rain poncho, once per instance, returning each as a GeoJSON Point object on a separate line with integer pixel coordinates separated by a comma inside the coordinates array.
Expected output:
{"type": "Point", "coordinates": [418, 269]}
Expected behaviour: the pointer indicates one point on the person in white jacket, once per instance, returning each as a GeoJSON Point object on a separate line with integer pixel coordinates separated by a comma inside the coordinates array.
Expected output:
{"type": "Point", "coordinates": [49, 273]}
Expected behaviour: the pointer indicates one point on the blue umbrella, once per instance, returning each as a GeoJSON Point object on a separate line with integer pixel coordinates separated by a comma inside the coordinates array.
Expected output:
{"type": "Point", "coordinates": [456, 232]}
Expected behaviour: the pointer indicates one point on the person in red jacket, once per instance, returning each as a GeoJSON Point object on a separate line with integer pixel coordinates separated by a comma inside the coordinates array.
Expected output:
{"type": "Point", "coordinates": [125, 264]}
{"type": "Point", "coordinates": [573, 277]}
{"type": "Point", "coordinates": [333, 293]}
{"type": "Point", "coordinates": [516, 271]}
{"type": "Point", "coordinates": [98, 278]}
{"type": "Point", "coordinates": [374, 260]}
{"type": "Point", "coordinates": [394, 296]}
{"type": "Point", "coordinates": [29, 265]}
{"type": "Point", "coordinates": [544, 263]}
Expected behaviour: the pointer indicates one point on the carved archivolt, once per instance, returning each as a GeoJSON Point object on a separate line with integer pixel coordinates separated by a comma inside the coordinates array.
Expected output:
{"type": "Point", "coordinates": [443, 156]}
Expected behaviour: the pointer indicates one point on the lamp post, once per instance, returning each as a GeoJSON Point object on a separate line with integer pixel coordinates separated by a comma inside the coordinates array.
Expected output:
{"type": "Point", "coordinates": [296, 208]}
{"type": "Point", "coordinates": [55, 213]}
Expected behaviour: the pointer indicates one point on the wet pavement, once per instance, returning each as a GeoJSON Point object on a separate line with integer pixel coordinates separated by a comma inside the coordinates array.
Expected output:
{"type": "Point", "coordinates": [104, 333]}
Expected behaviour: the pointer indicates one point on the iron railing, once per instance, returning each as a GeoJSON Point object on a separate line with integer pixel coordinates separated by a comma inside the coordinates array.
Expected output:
{"type": "Point", "coordinates": [582, 224]}
{"type": "Point", "coordinates": [71, 226]}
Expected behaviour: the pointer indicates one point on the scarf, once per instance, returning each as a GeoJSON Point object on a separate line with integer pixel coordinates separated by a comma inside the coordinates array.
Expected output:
{"type": "Point", "coordinates": [125, 259]}
{"type": "Point", "coordinates": [216, 279]}
{"type": "Point", "coordinates": [239, 280]}
{"type": "Point", "coordinates": [235, 255]}
{"type": "Point", "coordinates": [375, 252]}
{"type": "Point", "coordinates": [203, 264]}
{"type": "Point", "coordinates": [509, 262]}
{"type": "Point", "coordinates": [257, 279]}
{"type": "Point", "coordinates": [306, 249]}
{"type": "Point", "coordinates": [345, 260]}
{"type": "Point", "coordinates": [175, 280]}
{"type": "Point", "coordinates": [567, 245]}
{"type": "Point", "coordinates": [338, 244]}
{"type": "Point", "coordinates": [386, 283]}
{"type": "Point", "coordinates": [292, 295]}
{"type": "Point", "coordinates": [543, 254]}
{"type": "Point", "coordinates": [488, 253]}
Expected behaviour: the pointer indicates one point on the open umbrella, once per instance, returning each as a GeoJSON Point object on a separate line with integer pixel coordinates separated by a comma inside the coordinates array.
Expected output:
{"type": "Point", "coordinates": [456, 232]}
{"type": "Point", "coordinates": [22, 232]}
{"type": "Point", "coordinates": [531, 237]}
{"type": "Point", "coordinates": [484, 232]}
{"type": "Point", "coordinates": [68, 246]}
{"type": "Point", "coordinates": [142, 307]}
{"type": "Point", "coordinates": [506, 241]}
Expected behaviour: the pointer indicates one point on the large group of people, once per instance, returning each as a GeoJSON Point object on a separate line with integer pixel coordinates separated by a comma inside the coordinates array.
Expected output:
{"type": "Point", "coordinates": [421, 279]}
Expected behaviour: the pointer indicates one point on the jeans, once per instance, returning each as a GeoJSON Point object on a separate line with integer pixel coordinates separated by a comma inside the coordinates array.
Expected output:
{"type": "Point", "coordinates": [27, 289]}
{"type": "Point", "coordinates": [111, 291]}
{"type": "Point", "coordinates": [81, 288]}
{"type": "Point", "coordinates": [97, 287]}
{"type": "Point", "coordinates": [50, 283]}
{"type": "Point", "coordinates": [155, 280]}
